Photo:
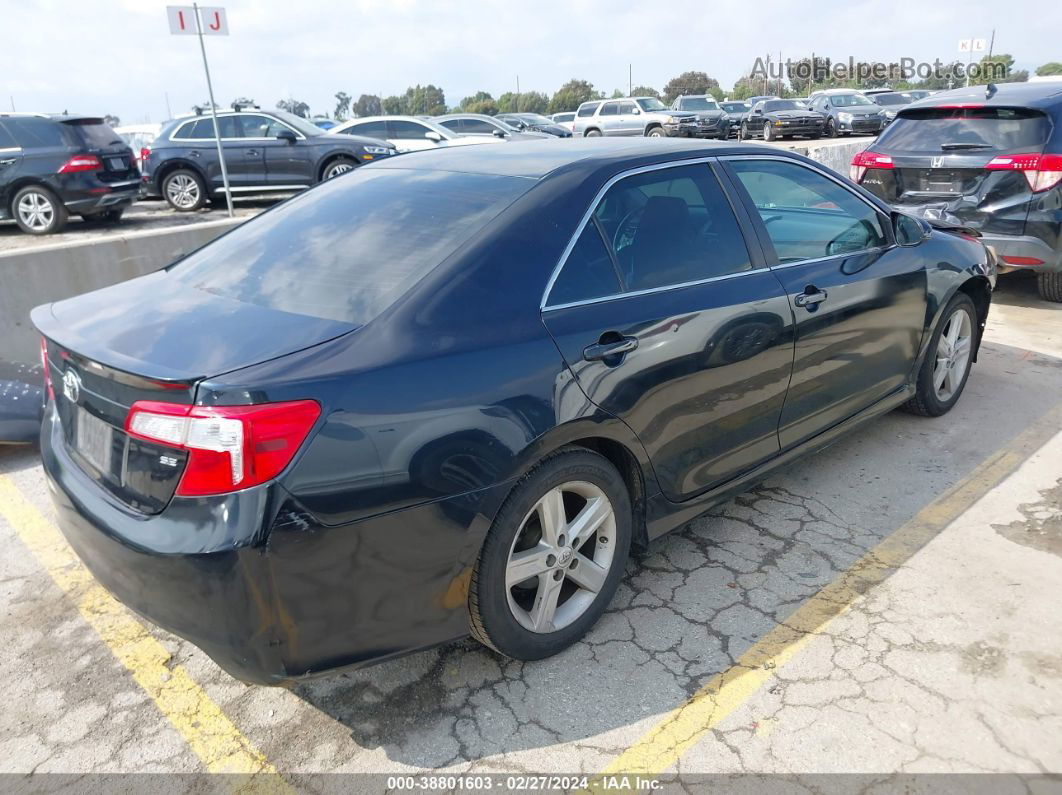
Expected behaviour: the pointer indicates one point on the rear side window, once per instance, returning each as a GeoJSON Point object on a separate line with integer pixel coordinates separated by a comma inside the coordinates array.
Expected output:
{"type": "Point", "coordinates": [965, 129]}
{"type": "Point", "coordinates": [589, 272]}
{"type": "Point", "coordinates": [587, 110]}
{"type": "Point", "coordinates": [610, 109]}
{"type": "Point", "coordinates": [6, 139]}
{"type": "Point", "coordinates": [95, 134]}
{"type": "Point", "coordinates": [370, 129]}
{"type": "Point", "coordinates": [349, 248]}
{"type": "Point", "coordinates": [32, 132]}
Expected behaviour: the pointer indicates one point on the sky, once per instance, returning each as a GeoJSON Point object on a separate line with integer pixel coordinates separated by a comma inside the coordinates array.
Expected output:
{"type": "Point", "coordinates": [117, 56]}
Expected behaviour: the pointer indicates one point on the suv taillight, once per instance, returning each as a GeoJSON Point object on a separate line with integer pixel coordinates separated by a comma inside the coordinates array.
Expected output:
{"type": "Point", "coordinates": [229, 447]}
{"type": "Point", "coordinates": [1042, 172]}
{"type": "Point", "coordinates": [864, 160]}
{"type": "Point", "coordinates": [144, 152]}
{"type": "Point", "coordinates": [81, 163]}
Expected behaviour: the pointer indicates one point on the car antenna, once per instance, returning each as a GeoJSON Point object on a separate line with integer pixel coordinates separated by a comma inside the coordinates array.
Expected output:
{"type": "Point", "coordinates": [990, 90]}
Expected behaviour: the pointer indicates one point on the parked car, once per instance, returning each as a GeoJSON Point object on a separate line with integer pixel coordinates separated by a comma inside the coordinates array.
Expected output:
{"type": "Point", "coordinates": [988, 159]}
{"type": "Point", "coordinates": [406, 133]}
{"type": "Point", "coordinates": [917, 93]}
{"type": "Point", "coordinates": [428, 445]}
{"type": "Point", "coordinates": [264, 151]}
{"type": "Point", "coordinates": [324, 123]}
{"type": "Point", "coordinates": [873, 92]}
{"type": "Point", "coordinates": [737, 110]}
{"type": "Point", "coordinates": [139, 137]}
{"type": "Point", "coordinates": [773, 119]}
{"type": "Point", "coordinates": [480, 124]}
{"type": "Point", "coordinates": [52, 167]}
{"type": "Point", "coordinates": [712, 120]}
{"type": "Point", "coordinates": [891, 102]}
{"type": "Point", "coordinates": [633, 116]}
{"type": "Point", "coordinates": [21, 402]}
{"type": "Point", "coordinates": [534, 122]}
{"type": "Point", "coordinates": [753, 100]}
{"type": "Point", "coordinates": [847, 112]}
{"type": "Point", "coordinates": [564, 120]}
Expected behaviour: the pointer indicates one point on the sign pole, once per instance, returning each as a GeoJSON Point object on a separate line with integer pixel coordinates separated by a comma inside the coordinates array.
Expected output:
{"type": "Point", "coordinates": [213, 112]}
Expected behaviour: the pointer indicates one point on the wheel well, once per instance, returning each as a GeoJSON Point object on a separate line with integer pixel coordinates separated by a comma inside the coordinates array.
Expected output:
{"type": "Point", "coordinates": [980, 292]}
{"type": "Point", "coordinates": [653, 125]}
{"type": "Point", "coordinates": [331, 159]}
{"type": "Point", "coordinates": [624, 460]}
{"type": "Point", "coordinates": [173, 165]}
{"type": "Point", "coordinates": [19, 184]}
{"type": "Point", "coordinates": [589, 130]}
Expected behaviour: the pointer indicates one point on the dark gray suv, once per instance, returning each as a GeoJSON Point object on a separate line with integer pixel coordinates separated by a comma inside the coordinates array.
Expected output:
{"type": "Point", "coordinates": [264, 151]}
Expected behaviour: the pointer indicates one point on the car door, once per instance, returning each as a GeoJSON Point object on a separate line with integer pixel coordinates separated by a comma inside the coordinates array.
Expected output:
{"type": "Point", "coordinates": [282, 162]}
{"type": "Point", "coordinates": [244, 170]}
{"type": "Point", "coordinates": [609, 118]}
{"type": "Point", "coordinates": [669, 320]}
{"type": "Point", "coordinates": [10, 160]}
{"type": "Point", "coordinates": [377, 128]}
{"type": "Point", "coordinates": [859, 299]}
{"type": "Point", "coordinates": [630, 119]}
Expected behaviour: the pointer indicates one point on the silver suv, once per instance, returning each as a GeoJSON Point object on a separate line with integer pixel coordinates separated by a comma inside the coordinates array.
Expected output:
{"type": "Point", "coordinates": [633, 116]}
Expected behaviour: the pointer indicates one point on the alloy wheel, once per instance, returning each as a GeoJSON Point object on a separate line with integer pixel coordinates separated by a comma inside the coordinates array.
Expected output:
{"type": "Point", "coordinates": [953, 355]}
{"type": "Point", "coordinates": [36, 211]}
{"type": "Point", "coordinates": [183, 191]}
{"type": "Point", "coordinates": [560, 557]}
{"type": "Point", "coordinates": [342, 167]}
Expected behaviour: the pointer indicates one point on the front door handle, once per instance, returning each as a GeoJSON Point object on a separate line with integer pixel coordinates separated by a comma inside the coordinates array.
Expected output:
{"type": "Point", "coordinates": [194, 153]}
{"type": "Point", "coordinates": [252, 152]}
{"type": "Point", "coordinates": [603, 350]}
{"type": "Point", "coordinates": [811, 297]}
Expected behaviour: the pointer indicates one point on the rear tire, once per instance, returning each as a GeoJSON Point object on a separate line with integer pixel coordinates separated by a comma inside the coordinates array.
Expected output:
{"type": "Point", "coordinates": [946, 367]}
{"type": "Point", "coordinates": [553, 557]}
{"type": "Point", "coordinates": [38, 211]}
{"type": "Point", "coordinates": [1050, 286]}
{"type": "Point", "coordinates": [184, 190]}
{"type": "Point", "coordinates": [592, 134]}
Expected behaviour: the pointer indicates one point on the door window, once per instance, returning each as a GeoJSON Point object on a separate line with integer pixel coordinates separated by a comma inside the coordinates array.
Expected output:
{"type": "Point", "coordinates": [807, 215]}
{"type": "Point", "coordinates": [609, 109]}
{"type": "Point", "coordinates": [255, 126]}
{"type": "Point", "coordinates": [588, 273]}
{"type": "Point", "coordinates": [370, 129]}
{"type": "Point", "coordinates": [6, 141]}
{"type": "Point", "coordinates": [32, 132]}
{"type": "Point", "coordinates": [203, 129]}
{"type": "Point", "coordinates": [477, 126]}
{"type": "Point", "coordinates": [406, 130]}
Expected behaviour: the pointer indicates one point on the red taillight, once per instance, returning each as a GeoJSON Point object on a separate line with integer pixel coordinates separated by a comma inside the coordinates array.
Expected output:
{"type": "Point", "coordinates": [144, 152]}
{"type": "Point", "coordinates": [961, 105]}
{"type": "Point", "coordinates": [864, 160]}
{"type": "Point", "coordinates": [81, 163]}
{"type": "Point", "coordinates": [47, 373]}
{"type": "Point", "coordinates": [229, 447]}
{"type": "Point", "coordinates": [1042, 172]}
{"type": "Point", "coordinates": [1011, 260]}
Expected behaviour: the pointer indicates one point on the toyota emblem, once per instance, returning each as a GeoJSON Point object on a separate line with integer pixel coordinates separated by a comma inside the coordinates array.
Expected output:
{"type": "Point", "coordinates": [71, 386]}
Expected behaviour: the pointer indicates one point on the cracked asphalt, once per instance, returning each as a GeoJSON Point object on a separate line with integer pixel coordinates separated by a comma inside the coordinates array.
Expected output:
{"type": "Point", "coordinates": [849, 614]}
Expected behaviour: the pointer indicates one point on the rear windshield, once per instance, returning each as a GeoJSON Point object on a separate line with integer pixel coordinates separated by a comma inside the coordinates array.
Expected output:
{"type": "Point", "coordinates": [891, 99]}
{"type": "Point", "coordinates": [95, 134]}
{"type": "Point", "coordinates": [348, 249]}
{"type": "Point", "coordinates": [965, 129]}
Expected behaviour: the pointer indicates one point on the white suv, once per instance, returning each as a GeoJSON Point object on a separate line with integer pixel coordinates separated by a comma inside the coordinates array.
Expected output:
{"type": "Point", "coordinates": [632, 116]}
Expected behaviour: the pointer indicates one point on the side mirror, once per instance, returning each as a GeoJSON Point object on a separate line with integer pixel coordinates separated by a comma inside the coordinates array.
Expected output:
{"type": "Point", "coordinates": [825, 105]}
{"type": "Point", "coordinates": [757, 111]}
{"type": "Point", "coordinates": [909, 231]}
{"type": "Point", "coordinates": [286, 135]}
{"type": "Point", "coordinates": [433, 136]}
{"type": "Point", "coordinates": [637, 111]}
{"type": "Point", "coordinates": [499, 134]}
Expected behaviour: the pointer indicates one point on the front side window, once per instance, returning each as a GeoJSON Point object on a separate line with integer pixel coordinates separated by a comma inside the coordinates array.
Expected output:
{"type": "Point", "coordinates": [478, 127]}
{"type": "Point", "coordinates": [407, 130]}
{"type": "Point", "coordinates": [651, 104]}
{"type": "Point", "coordinates": [255, 126]}
{"type": "Point", "coordinates": [807, 215]}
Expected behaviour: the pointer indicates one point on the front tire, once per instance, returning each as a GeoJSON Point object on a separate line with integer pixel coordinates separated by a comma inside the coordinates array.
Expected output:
{"type": "Point", "coordinates": [768, 131]}
{"type": "Point", "coordinates": [946, 368]}
{"type": "Point", "coordinates": [1049, 286]}
{"type": "Point", "coordinates": [184, 190]}
{"type": "Point", "coordinates": [743, 132]}
{"type": "Point", "coordinates": [829, 130]}
{"type": "Point", "coordinates": [655, 132]}
{"type": "Point", "coordinates": [553, 558]}
{"type": "Point", "coordinates": [341, 165]}
{"type": "Point", "coordinates": [38, 211]}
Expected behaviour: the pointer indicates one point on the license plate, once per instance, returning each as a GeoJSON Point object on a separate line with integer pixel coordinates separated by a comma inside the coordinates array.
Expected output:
{"type": "Point", "coordinates": [116, 163]}
{"type": "Point", "coordinates": [93, 440]}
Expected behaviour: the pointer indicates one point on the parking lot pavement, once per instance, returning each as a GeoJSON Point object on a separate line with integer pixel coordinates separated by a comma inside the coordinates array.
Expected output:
{"type": "Point", "coordinates": [142, 216]}
{"type": "Point", "coordinates": [889, 604]}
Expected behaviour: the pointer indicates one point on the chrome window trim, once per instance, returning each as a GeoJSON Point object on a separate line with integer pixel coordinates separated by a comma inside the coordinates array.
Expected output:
{"type": "Point", "coordinates": [173, 135]}
{"type": "Point", "coordinates": [10, 150]}
{"type": "Point", "coordinates": [543, 306]}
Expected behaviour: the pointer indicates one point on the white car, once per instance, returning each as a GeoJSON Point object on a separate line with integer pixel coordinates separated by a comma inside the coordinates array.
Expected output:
{"type": "Point", "coordinates": [408, 133]}
{"type": "Point", "coordinates": [565, 120]}
{"type": "Point", "coordinates": [139, 137]}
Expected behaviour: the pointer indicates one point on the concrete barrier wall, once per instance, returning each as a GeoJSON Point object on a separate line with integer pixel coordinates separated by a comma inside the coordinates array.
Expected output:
{"type": "Point", "coordinates": [36, 275]}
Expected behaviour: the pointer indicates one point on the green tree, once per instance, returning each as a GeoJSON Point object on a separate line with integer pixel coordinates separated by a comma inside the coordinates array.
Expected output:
{"type": "Point", "coordinates": [645, 91]}
{"type": "Point", "coordinates": [999, 68]}
{"type": "Point", "coordinates": [1050, 68]}
{"type": "Point", "coordinates": [480, 102]}
{"type": "Point", "coordinates": [394, 106]}
{"type": "Point", "coordinates": [692, 83]}
{"type": "Point", "coordinates": [526, 102]}
{"type": "Point", "coordinates": [421, 100]}
{"type": "Point", "coordinates": [572, 94]}
{"type": "Point", "coordinates": [112, 120]}
{"type": "Point", "coordinates": [617, 94]}
{"type": "Point", "coordinates": [342, 105]}
{"type": "Point", "coordinates": [368, 105]}
{"type": "Point", "coordinates": [295, 106]}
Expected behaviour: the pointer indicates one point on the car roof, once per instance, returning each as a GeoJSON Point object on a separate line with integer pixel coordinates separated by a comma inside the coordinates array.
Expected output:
{"type": "Point", "coordinates": [447, 116]}
{"type": "Point", "coordinates": [1027, 95]}
{"type": "Point", "coordinates": [537, 159]}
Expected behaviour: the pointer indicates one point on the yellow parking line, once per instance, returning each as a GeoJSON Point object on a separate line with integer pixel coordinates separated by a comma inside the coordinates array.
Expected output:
{"type": "Point", "coordinates": [663, 745]}
{"type": "Point", "coordinates": [202, 724]}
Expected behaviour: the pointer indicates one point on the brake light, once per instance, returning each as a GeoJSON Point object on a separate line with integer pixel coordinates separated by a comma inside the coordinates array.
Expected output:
{"type": "Point", "coordinates": [144, 152]}
{"type": "Point", "coordinates": [864, 160]}
{"type": "Point", "coordinates": [1042, 172]}
{"type": "Point", "coordinates": [1013, 260]}
{"type": "Point", "coordinates": [229, 447]}
{"type": "Point", "coordinates": [961, 105]}
{"type": "Point", "coordinates": [81, 163]}
{"type": "Point", "coordinates": [47, 373]}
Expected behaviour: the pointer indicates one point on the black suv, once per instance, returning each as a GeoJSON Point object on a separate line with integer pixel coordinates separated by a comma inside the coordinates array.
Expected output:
{"type": "Point", "coordinates": [988, 158]}
{"type": "Point", "coordinates": [264, 151]}
{"type": "Point", "coordinates": [52, 166]}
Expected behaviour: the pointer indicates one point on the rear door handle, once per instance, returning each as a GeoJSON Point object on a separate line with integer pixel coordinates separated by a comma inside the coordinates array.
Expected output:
{"type": "Point", "coordinates": [810, 297]}
{"type": "Point", "coordinates": [252, 152]}
{"type": "Point", "coordinates": [602, 350]}
{"type": "Point", "coordinates": [194, 153]}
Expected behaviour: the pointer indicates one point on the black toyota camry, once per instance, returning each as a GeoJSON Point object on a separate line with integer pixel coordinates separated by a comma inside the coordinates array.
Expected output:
{"type": "Point", "coordinates": [446, 393]}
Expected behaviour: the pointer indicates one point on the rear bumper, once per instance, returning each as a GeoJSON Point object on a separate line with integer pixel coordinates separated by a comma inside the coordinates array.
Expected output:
{"type": "Point", "coordinates": [103, 196]}
{"type": "Point", "coordinates": [1026, 248]}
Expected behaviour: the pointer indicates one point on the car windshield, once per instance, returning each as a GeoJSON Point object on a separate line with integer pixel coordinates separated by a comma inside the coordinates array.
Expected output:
{"type": "Point", "coordinates": [891, 99]}
{"type": "Point", "coordinates": [735, 107]}
{"type": "Point", "coordinates": [305, 126]}
{"type": "Point", "coordinates": [783, 104]}
{"type": "Point", "coordinates": [651, 104]}
{"type": "Point", "coordinates": [955, 129]}
{"type": "Point", "coordinates": [848, 100]}
{"type": "Point", "coordinates": [95, 133]}
{"type": "Point", "coordinates": [698, 103]}
{"type": "Point", "coordinates": [351, 247]}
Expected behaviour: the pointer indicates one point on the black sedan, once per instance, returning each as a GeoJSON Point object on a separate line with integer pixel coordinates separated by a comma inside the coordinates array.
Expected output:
{"type": "Point", "coordinates": [534, 122]}
{"type": "Point", "coordinates": [772, 119]}
{"type": "Point", "coordinates": [488, 372]}
{"type": "Point", "coordinates": [264, 151]}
